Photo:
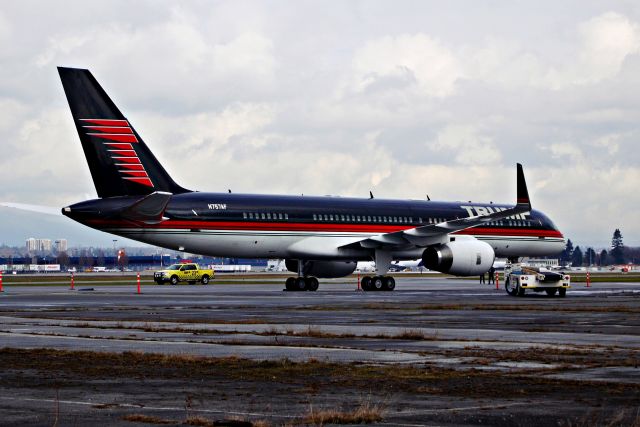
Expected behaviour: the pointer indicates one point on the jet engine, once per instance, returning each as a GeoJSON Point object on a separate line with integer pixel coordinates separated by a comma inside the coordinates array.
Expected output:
{"type": "Point", "coordinates": [322, 269]}
{"type": "Point", "coordinates": [460, 258]}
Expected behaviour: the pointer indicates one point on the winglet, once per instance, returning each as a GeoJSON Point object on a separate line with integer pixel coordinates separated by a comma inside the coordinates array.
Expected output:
{"type": "Point", "coordinates": [523, 194]}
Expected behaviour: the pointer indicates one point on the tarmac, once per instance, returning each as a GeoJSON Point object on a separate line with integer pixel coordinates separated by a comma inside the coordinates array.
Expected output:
{"type": "Point", "coordinates": [438, 322]}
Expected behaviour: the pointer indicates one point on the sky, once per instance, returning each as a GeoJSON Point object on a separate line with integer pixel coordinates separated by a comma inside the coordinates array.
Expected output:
{"type": "Point", "coordinates": [403, 98]}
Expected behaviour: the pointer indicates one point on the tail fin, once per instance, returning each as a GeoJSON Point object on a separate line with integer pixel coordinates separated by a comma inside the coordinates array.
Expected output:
{"type": "Point", "coordinates": [121, 164]}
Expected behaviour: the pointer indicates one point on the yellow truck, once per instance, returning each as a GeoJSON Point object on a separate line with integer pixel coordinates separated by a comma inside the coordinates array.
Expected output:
{"type": "Point", "coordinates": [187, 272]}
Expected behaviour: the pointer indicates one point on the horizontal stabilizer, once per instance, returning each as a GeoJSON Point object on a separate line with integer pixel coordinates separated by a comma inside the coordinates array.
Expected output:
{"type": "Point", "coordinates": [148, 209]}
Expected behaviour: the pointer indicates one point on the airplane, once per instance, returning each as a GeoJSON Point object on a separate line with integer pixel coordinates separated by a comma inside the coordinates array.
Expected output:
{"type": "Point", "coordinates": [319, 237]}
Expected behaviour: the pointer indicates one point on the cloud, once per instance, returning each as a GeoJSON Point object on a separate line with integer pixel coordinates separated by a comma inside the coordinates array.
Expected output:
{"type": "Point", "coordinates": [606, 41]}
{"type": "Point", "coordinates": [466, 145]}
{"type": "Point", "coordinates": [164, 55]}
{"type": "Point", "coordinates": [408, 61]}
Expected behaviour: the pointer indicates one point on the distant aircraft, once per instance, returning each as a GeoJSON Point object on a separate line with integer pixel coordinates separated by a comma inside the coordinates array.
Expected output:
{"type": "Point", "coordinates": [317, 236]}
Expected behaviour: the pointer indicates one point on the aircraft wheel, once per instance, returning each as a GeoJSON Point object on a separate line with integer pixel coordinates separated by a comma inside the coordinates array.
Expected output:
{"type": "Point", "coordinates": [551, 292]}
{"type": "Point", "coordinates": [377, 283]}
{"type": "Point", "coordinates": [509, 287]}
{"type": "Point", "coordinates": [562, 292]}
{"type": "Point", "coordinates": [174, 280]}
{"type": "Point", "coordinates": [389, 283]}
{"type": "Point", "coordinates": [301, 284]}
{"type": "Point", "coordinates": [312, 284]}
{"type": "Point", "coordinates": [290, 284]}
{"type": "Point", "coordinates": [365, 283]}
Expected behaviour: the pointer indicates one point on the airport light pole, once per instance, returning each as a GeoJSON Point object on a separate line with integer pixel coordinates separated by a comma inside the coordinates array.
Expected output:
{"type": "Point", "coordinates": [115, 254]}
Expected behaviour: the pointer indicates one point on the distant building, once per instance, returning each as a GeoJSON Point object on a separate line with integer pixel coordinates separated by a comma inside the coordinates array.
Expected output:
{"type": "Point", "coordinates": [32, 244]}
{"type": "Point", "coordinates": [36, 245]}
{"type": "Point", "coordinates": [45, 245]}
{"type": "Point", "coordinates": [61, 245]}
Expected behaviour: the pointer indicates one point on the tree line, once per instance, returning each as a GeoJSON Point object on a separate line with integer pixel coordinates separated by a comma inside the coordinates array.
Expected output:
{"type": "Point", "coordinates": [618, 253]}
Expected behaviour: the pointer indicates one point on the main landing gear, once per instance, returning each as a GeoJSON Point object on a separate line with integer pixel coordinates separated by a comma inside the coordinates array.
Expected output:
{"type": "Point", "coordinates": [301, 284]}
{"type": "Point", "coordinates": [378, 283]}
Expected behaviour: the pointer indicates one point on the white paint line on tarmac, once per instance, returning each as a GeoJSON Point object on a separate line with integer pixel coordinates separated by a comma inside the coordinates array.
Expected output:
{"type": "Point", "coordinates": [142, 406]}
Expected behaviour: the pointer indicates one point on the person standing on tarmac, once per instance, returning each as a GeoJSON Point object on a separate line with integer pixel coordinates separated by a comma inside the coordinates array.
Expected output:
{"type": "Point", "coordinates": [482, 278]}
{"type": "Point", "coordinates": [492, 275]}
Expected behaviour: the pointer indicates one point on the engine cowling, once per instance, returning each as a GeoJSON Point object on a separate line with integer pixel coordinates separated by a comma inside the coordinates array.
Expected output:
{"type": "Point", "coordinates": [460, 258]}
{"type": "Point", "coordinates": [323, 269]}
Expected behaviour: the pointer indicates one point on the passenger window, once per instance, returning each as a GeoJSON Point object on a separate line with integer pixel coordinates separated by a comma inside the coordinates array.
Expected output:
{"type": "Point", "coordinates": [244, 215]}
{"type": "Point", "coordinates": [262, 216]}
{"type": "Point", "coordinates": [342, 218]}
{"type": "Point", "coordinates": [330, 217]}
{"type": "Point", "coordinates": [286, 216]}
{"type": "Point", "coordinates": [268, 216]}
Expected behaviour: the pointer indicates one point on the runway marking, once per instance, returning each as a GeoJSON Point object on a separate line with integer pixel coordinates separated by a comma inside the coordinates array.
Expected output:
{"type": "Point", "coordinates": [464, 408]}
{"type": "Point", "coordinates": [141, 406]}
{"type": "Point", "coordinates": [256, 414]}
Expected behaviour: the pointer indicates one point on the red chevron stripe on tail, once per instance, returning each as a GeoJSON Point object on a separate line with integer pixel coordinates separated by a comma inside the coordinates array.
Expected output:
{"type": "Point", "coordinates": [106, 122]}
{"type": "Point", "coordinates": [115, 137]}
{"type": "Point", "coordinates": [110, 129]}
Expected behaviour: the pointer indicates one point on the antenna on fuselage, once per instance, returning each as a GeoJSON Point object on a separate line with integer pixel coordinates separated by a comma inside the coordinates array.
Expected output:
{"type": "Point", "coordinates": [229, 191]}
{"type": "Point", "coordinates": [370, 194]}
{"type": "Point", "coordinates": [428, 198]}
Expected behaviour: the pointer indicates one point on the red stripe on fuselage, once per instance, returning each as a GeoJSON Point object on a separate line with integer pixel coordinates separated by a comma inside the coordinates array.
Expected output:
{"type": "Point", "coordinates": [355, 228]}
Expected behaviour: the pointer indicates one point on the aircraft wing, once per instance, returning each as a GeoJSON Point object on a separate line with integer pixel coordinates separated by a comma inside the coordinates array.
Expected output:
{"type": "Point", "coordinates": [432, 233]}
